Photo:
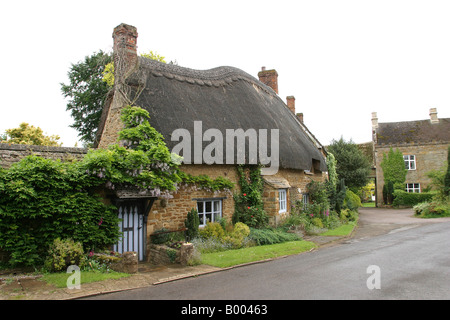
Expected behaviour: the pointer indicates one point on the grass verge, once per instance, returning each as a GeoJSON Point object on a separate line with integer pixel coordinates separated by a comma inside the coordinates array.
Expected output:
{"type": "Point", "coordinates": [230, 258]}
{"type": "Point", "coordinates": [60, 279]}
{"type": "Point", "coordinates": [343, 230]}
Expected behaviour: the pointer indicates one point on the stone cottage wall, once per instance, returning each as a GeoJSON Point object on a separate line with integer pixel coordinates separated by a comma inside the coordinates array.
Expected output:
{"type": "Point", "coordinates": [429, 157]}
{"type": "Point", "coordinates": [298, 180]}
{"type": "Point", "coordinates": [11, 153]}
{"type": "Point", "coordinates": [171, 213]}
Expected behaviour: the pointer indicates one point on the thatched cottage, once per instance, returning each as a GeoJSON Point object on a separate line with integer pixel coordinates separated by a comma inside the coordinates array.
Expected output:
{"type": "Point", "coordinates": [242, 117]}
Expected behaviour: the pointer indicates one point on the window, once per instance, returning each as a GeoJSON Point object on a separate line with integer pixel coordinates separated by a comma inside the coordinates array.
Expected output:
{"type": "Point", "coordinates": [209, 211]}
{"type": "Point", "coordinates": [305, 199]}
{"type": "Point", "coordinates": [413, 187]}
{"type": "Point", "coordinates": [282, 199]}
{"type": "Point", "coordinates": [410, 162]}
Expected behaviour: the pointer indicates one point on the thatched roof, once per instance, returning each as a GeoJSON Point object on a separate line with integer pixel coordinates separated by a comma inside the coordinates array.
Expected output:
{"type": "Point", "coordinates": [222, 98]}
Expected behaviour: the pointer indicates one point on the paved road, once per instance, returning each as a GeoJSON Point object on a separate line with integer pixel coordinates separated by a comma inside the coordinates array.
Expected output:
{"type": "Point", "coordinates": [411, 259]}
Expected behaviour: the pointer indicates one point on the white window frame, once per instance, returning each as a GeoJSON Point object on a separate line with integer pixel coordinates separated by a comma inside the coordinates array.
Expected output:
{"type": "Point", "coordinates": [413, 187]}
{"type": "Point", "coordinates": [410, 162]}
{"type": "Point", "coordinates": [213, 214]}
{"type": "Point", "coordinates": [282, 200]}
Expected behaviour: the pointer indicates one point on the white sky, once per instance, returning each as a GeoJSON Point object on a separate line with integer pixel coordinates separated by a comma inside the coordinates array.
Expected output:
{"type": "Point", "coordinates": [341, 59]}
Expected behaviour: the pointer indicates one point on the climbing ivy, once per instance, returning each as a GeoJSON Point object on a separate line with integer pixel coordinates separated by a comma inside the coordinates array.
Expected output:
{"type": "Point", "coordinates": [249, 207]}
{"type": "Point", "coordinates": [44, 199]}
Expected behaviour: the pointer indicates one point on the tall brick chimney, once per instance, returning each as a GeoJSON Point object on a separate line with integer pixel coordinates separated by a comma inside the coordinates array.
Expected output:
{"type": "Point", "coordinates": [291, 103]}
{"type": "Point", "coordinates": [125, 51]}
{"type": "Point", "coordinates": [269, 78]}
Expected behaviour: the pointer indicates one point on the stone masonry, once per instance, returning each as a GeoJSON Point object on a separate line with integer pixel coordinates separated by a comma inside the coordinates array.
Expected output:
{"type": "Point", "coordinates": [11, 153]}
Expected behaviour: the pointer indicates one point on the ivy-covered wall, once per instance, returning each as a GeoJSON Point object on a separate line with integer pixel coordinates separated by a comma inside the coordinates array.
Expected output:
{"type": "Point", "coordinates": [11, 153]}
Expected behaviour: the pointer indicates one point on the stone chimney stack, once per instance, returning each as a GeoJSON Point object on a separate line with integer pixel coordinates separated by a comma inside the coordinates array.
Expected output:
{"type": "Point", "coordinates": [125, 51]}
{"type": "Point", "coordinates": [374, 128]}
{"type": "Point", "coordinates": [433, 115]}
{"type": "Point", "coordinates": [374, 120]}
{"type": "Point", "coordinates": [300, 117]}
{"type": "Point", "coordinates": [269, 78]}
{"type": "Point", "coordinates": [291, 103]}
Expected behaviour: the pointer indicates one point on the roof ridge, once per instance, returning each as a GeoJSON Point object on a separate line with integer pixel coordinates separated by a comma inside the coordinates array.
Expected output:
{"type": "Point", "coordinates": [218, 76]}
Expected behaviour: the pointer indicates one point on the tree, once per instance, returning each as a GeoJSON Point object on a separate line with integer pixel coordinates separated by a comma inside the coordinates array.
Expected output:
{"type": "Point", "coordinates": [87, 92]}
{"type": "Point", "coordinates": [108, 73]}
{"type": "Point", "coordinates": [352, 165]}
{"type": "Point", "coordinates": [90, 81]}
{"type": "Point", "coordinates": [31, 135]}
{"type": "Point", "coordinates": [447, 176]}
{"type": "Point", "coordinates": [394, 169]}
{"type": "Point", "coordinates": [332, 179]}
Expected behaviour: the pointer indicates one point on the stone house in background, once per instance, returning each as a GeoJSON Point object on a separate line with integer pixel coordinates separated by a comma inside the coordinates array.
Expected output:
{"type": "Point", "coordinates": [198, 102]}
{"type": "Point", "coordinates": [424, 144]}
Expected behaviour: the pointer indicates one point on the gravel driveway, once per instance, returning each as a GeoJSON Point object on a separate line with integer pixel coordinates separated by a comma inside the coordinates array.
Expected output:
{"type": "Point", "coordinates": [377, 221]}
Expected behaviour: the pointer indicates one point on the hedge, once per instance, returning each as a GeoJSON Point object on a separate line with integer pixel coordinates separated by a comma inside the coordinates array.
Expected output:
{"type": "Point", "coordinates": [410, 199]}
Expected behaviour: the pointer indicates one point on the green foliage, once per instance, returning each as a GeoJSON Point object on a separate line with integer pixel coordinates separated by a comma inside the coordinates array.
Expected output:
{"type": "Point", "coordinates": [154, 56]}
{"type": "Point", "coordinates": [214, 237]}
{"type": "Point", "coordinates": [87, 92]}
{"type": "Point", "coordinates": [192, 223]}
{"type": "Point", "coordinates": [394, 170]}
{"type": "Point", "coordinates": [64, 253]}
{"type": "Point", "coordinates": [333, 180]}
{"type": "Point", "coordinates": [212, 230]}
{"type": "Point", "coordinates": [160, 236]}
{"type": "Point", "coordinates": [172, 254]}
{"type": "Point", "coordinates": [447, 176]}
{"type": "Point", "coordinates": [143, 162]}
{"type": "Point", "coordinates": [318, 195]}
{"type": "Point", "coordinates": [351, 163]}
{"type": "Point", "coordinates": [108, 73]}
{"type": "Point", "coordinates": [206, 183]}
{"type": "Point", "coordinates": [43, 199]}
{"type": "Point", "coordinates": [29, 135]}
{"type": "Point", "coordinates": [409, 199]}
{"type": "Point", "coordinates": [352, 201]}
{"type": "Point", "coordinates": [341, 191]}
{"type": "Point", "coordinates": [271, 236]}
{"type": "Point", "coordinates": [433, 209]}
{"type": "Point", "coordinates": [438, 183]}
{"type": "Point", "coordinates": [317, 222]}
{"type": "Point", "coordinates": [249, 207]}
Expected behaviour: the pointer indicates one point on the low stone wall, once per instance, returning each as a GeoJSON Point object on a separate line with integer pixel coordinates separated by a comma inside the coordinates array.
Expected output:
{"type": "Point", "coordinates": [126, 262]}
{"type": "Point", "coordinates": [11, 153]}
{"type": "Point", "coordinates": [162, 254]}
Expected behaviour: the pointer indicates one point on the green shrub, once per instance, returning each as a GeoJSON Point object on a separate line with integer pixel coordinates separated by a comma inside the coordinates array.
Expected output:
{"type": "Point", "coordinates": [192, 223]}
{"type": "Point", "coordinates": [410, 199]}
{"type": "Point", "coordinates": [43, 199]}
{"type": "Point", "coordinates": [237, 236]}
{"type": "Point", "coordinates": [317, 222]}
{"type": "Point", "coordinates": [240, 231]}
{"type": "Point", "coordinates": [64, 253]}
{"type": "Point", "coordinates": [271, 236]}
{"type": "Point", "coordinates": [434, 209]}
{"type": "Point", "coordinates": [212, 230]}
{"type": "Point", "coordinates": [352, 201]}
{"type": "Point", "coordinates": [160, 236]}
